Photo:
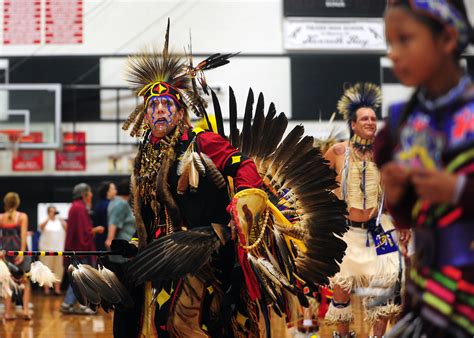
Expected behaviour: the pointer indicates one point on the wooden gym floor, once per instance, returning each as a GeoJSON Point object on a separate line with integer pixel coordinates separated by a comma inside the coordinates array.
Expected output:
{"type": "Point", "coordinates": [49, 322]}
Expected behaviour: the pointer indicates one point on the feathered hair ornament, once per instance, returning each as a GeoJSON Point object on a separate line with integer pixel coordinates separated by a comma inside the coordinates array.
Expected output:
{"type": "Point", "coordinates": [360, 95]}
{"type": "Point", "coordinates": [153, 74]}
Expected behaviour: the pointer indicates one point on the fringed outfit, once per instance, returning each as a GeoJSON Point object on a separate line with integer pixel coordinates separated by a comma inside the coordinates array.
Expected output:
{"type": "Point", "coordinates": [436, 135]}
{"type": "Point", "coordinates": [196, 274]}
{"type": "Point", "coordinates": [184, 307]}
{"type": "Point", "coordinates": [363, 265]}
{"type": "Point", "coordinates": [372, 259]}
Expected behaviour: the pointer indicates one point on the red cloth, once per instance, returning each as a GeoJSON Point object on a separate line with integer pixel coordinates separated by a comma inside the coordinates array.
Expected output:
{"type": "Point", "coordinates": [220, 150]}
{"type": "Point", "coordinates": [79, 228]}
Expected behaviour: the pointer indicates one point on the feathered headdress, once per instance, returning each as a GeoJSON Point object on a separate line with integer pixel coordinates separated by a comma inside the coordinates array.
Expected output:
{"type": "Point", "coordinates": [358, 96]}
{"type": "Point", "coordinates": [152, 74]}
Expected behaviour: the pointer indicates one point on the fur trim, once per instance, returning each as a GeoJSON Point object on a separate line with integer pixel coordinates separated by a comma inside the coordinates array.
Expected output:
{"type": "Point", "coordinates": [339, 315]}
{"type": "Point", "coordinates": [390, 311]}
{"type": "Point", "coordinates": [163, 191]}
{"type": "Point", "coordinates": [348, 283]}
{"type": "Point", "coordinates": [386, 273]}
{"type": "Point", "coordinates": [137, 206]}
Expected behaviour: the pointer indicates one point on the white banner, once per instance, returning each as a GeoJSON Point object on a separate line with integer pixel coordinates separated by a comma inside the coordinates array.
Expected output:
{"type": "Point", "coordinates": [334, 35]}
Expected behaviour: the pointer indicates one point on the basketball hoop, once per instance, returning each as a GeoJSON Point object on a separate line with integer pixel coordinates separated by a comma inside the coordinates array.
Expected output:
{"type": "Point", "coordinates": [13, 136]}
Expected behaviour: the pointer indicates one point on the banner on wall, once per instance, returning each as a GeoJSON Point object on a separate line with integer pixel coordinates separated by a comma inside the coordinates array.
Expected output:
{"type": "Point", "coordinates": [63, 22]}
{"type": "Point", "coordinates": [25, 22]}
{"type": "Point", "coordinates": [334, 35]}
{"type": "Point", "coordinates": [21, 22]}
{"type": "Point", "coordinates": [29, 159]}
{"type": "Point", "coordinates": [73, 155]}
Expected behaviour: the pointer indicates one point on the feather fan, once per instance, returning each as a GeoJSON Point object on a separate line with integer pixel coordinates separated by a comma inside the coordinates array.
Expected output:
{"type": "Point", "coordinates": [168, 257]}
{"type": "Point", "coordinates": [297, 179]}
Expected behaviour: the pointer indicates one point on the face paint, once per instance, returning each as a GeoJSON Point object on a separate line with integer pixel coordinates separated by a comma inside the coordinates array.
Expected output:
{"type": "Point", "coordinates": [162, 115]}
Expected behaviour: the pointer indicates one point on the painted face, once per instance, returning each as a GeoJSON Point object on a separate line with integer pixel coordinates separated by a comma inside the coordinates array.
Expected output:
{"type": "Point", "coordinates": [365, 125]}
{"type": "Point", "coordinates": [162, 115]}
{"type": "Point", "coordinates": [418, 56]}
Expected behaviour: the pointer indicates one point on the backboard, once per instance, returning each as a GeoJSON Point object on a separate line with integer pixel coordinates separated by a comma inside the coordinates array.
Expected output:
{"type": "Point", "coordinates": [31, 108]}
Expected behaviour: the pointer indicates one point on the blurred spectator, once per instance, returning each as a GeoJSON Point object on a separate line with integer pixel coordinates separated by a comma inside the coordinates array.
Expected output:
{"type": "Point", "coordinates": [121, 220]}
{"type": "Point", "coordinates": [13, 226]}
{"type": "Point", "coordinates": [79, 237]}
{"type": "Point", "coordinates": [107, 192]}
{"type": "Point", "coordinates": [53, 235]}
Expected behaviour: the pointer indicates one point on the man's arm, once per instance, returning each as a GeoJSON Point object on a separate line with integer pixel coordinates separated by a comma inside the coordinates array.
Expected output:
{"type": "Point", "coordinates": [112, 230]}
{"type": "Point", "coordinates": [114, 217]}
{"type": "Point", "coordinates": [333, 153]}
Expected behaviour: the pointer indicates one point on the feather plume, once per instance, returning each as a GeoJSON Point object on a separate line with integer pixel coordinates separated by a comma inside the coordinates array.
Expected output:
{"type": "Point", "coordinates": [5, 280]}
{"type": "Point", "coordinates": [131, 118]}
{"type": "Point", "coordinates": [199, 165]}
{"type": "Point", "coordinates": [360, 95]}
{"type": "Point", "coordinates": [136, 130]}
{"type": "Point", "coordinates": [214, 61]}
{"type": "Point", "coordinates": [184, 161]}
{"type": "Point", "coordinates": [41, 274]}
{"type": "Point", "coordinates": [150, 66]}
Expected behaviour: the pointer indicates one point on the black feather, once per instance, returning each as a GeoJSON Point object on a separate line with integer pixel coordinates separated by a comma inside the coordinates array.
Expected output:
{"type": "Point", "coordinates": [272, 139]}
{"type": "Point", "coordinates": [215, 60]}
{"type": "Point", "coordinates": [117, 286]}
{"type": "Point", "coordinates": [234, 132]}
{"type": "Point", "coordinates": [95, 281]}
{"type": "Point", "coordinates": [77, 288]}
{"type": "Point", "coordinates": [257, 126]}
{"type": "Point", "coordinates": [218, 114]}
{"type": "Point", "coordinates": [246, 137]}
{"type": "Point", "coordinates": [90, 294]}
{"type": "Point", "coordinates": [287, 146]}
{"type": "Point", "coordinates": [174, 255]}
{"type": "Point", "coordinates": [167, 40]}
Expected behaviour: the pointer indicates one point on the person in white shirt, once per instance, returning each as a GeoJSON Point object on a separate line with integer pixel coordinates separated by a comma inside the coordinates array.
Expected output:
{"type": "Point", "coordinates": [53, 235]}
